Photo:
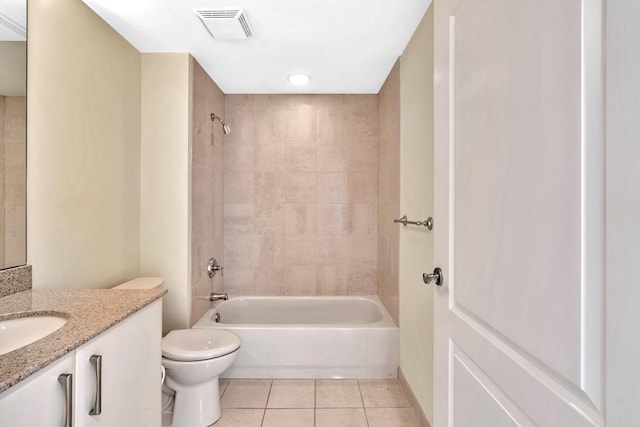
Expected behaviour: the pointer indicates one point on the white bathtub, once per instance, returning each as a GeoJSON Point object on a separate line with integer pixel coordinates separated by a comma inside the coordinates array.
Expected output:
{"type": "Point", "coordinates": [308, 337]}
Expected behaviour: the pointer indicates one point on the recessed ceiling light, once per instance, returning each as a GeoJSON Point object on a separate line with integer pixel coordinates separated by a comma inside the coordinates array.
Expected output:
{"type": "Point", "coordinates": [299, 79]}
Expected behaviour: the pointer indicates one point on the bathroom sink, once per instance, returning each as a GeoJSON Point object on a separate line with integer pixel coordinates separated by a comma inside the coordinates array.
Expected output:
{"type": "Point", "coordinates": [18, 332]}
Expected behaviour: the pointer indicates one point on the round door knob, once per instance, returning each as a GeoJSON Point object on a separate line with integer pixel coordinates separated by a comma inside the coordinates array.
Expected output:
{"type": "Point", "coordinates": [437, 277]}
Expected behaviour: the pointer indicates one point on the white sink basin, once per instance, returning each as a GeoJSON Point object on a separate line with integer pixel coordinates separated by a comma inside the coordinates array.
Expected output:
{"type": "Point", "coordinates": [16, 333]}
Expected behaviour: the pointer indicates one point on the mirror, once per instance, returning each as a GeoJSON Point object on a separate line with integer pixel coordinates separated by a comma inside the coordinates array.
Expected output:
{"type": "Point", "coordinates": [13, 132]}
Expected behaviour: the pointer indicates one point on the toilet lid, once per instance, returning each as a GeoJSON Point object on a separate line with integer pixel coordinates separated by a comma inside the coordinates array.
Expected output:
{"type": "Point", "coordinates": [199, 344]}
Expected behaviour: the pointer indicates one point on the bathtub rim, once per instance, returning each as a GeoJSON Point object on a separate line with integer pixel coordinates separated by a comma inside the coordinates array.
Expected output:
{"type": "Point", "coordinates": [205, 321]}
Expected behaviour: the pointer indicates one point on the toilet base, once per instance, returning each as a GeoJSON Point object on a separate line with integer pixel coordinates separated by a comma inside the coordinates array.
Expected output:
{"type": "Point", "coordinates": [196, 406]}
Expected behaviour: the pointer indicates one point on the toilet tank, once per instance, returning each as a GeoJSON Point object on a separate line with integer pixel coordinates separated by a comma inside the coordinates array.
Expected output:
{"type": "Point", "coordinates": [141, 283]}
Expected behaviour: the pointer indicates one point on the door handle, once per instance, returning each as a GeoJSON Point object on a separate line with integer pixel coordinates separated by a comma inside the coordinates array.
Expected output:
{"type": "Point", "coordinates": [66, 380]}
{"type": "Point", "coordinates": [437, 277]}
{"type": "Point", "coordinates": [96, 361]}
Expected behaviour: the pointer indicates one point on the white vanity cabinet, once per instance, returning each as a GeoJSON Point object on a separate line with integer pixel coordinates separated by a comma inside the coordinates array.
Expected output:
{"type": "Point", "coordinates": [130, 383]}
{"type": "Point", "coordinates": [40, 399]}
{"type": "Point", "coordinates": [130, 389]}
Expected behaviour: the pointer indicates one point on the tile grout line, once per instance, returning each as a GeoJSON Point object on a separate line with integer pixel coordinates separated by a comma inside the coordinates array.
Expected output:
{"type": "Point", "coordinates": [264, 412]}
{"type": "Point", "coordinates": [366, 416]}
{"type": "Point", "coordinates": [315, 400]}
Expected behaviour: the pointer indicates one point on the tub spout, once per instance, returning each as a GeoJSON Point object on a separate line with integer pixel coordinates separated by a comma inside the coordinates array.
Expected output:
{"type": "Point", "coordinates": [216, 297]}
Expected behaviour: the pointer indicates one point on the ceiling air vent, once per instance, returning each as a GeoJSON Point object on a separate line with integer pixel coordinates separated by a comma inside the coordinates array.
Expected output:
{"type": "Point", "coordinates": [226, 24]}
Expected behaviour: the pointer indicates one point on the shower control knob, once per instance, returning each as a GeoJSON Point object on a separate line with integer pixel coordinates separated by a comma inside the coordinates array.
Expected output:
{"type": "Point", "coordinates": [213, 268]}
{"type": "Point", "coordinates": [437, 277]}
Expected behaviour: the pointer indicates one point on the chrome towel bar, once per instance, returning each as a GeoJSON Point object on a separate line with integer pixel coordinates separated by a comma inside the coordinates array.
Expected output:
{"type": "Point", "coordinates": [404, 221]}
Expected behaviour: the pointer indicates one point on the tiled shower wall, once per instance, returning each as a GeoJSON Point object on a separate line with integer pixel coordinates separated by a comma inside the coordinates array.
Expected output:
{"type": "Point", "coordinates": [301, 194]}
{"type": "Point", "coordinates": [207, 190]}
{"type": "Point", "coordinates": [389, 192]}
{"type": "Point", "coordinates": [13, 164]}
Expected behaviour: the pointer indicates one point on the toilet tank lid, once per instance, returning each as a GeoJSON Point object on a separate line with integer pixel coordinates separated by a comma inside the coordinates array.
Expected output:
{"type": "Point", "coordinates": [142, 283]}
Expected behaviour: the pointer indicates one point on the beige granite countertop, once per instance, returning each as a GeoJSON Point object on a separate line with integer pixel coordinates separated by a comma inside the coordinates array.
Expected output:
{"type": "Point", "coordinates": [89, 312]}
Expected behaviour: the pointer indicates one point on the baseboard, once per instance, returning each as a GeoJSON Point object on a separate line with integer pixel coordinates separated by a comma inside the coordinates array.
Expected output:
{"type": "Point", "coordinates": [422, 418]}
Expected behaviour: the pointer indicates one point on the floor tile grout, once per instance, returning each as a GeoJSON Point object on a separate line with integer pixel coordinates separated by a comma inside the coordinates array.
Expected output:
{"type": "Point", "coordinates": [364, 408]}
{"type": "Point", "coordinates": [266, 404]}
{"type": "Point", "coordinates": [333, 404]}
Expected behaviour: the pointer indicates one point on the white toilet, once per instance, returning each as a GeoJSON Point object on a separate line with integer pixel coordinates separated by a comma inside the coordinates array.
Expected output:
{"type": "Point", "coordinates": [193, 360]}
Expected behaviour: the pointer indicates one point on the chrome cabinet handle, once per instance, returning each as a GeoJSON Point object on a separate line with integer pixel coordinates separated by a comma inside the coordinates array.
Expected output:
{"type": "Point", "coordinates": [437, 277]}
{"type": "Point", "coordinates": [66, 380]}
{"type": "Point", "coordinates": [96, 361]}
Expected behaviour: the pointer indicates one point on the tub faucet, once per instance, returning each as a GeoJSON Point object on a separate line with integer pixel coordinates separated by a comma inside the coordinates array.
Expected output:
{"type": "Point", "coordinates": [216, 297]}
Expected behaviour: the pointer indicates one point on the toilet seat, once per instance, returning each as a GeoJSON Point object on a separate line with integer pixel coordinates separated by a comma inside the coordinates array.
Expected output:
{"type": "Point", "coordinates": [198, 344]}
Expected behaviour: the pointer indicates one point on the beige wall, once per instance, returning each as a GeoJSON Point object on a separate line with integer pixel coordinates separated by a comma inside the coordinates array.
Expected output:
{"type": "Point", "coordinates": [83, 150]}
{"type": "Point", "coordinates": [207, 198]}
{"type": "Point", "coordinates": [300, 194]}
{"type": "Point", "coordinates": [165, 180]}
{"type": "Point", "coordinates": [416, 201]}
{"type": "Point", "coordinates": [389, 191]}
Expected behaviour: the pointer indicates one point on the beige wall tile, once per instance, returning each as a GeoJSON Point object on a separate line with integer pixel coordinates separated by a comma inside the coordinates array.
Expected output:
{"type": "Point", "coordinates": [362, 279]}
{"type": "Point", "coordinates": [300, 158]}
{"type": "Point", "coordinates": [332, 250]}
{"type": "Point", "coordinates": [362, 155]}
{"type": "Point", "coordinates": [300, 187]}
{"type": "Point", "coordinates": [299, 250]}
{"type": "Point", "coordinates": [268, 279]}
{"type": "Point", "coordinates": [331, 279]}
{"type": "Point", "coordinates": [332, 187]}
{"type": "Point", "coordinates": [239, 280]}
{"type": "Point", "coordinates": [362, 248]}
{"type": "Point", "coordinates": [207, 189]}
{"type": "Point", "coordinates": [389, 191]}
{"type": "Point", "coordinates": [269, 250]}
{"type": "Point", "coordinates": [314, 186]}
{"type": "Point", "coordinates": [362, 187]}
{"type": "Point", "coordinates": [238, 158]}
{"type": "Point", "coordinates": [238, 219]}
{"type": "Point", "coordinates": [269, 157]}
{"type": "Point", "coordinates": [243, 127]}
{"type": "Point", "coordinates": [363, 218]}
{"type": "Point", "coordinates": [332, 157]}
{"type": "Point", "coordinates": [240, 250]}
{"type": "Point", "coordinates": [238, 187]}
{"type": "Point", "coordinates": [332, 219]}
{"type": "Point", "coordinates": [300, 280]}
{"type": "Point", "coordinates": [269, 188]}
{"type": "Point", "coordinates": [269, 219]}
{"type": "Point", "coordinates": [300, 219]}
{"type": "Point", "coordinates": [303, 128]}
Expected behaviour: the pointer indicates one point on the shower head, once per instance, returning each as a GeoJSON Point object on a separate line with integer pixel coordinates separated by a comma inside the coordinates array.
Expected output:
{"type": "Point", "coordinates": [225, 127]}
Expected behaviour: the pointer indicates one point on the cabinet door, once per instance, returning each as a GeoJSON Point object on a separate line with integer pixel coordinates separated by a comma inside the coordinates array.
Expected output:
{"type": "Point", "coordinates": [131, 358]}
{"type": "Point", "coordinates": [39, 400]}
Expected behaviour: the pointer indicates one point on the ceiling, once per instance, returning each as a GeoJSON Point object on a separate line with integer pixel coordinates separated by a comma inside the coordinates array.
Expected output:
{"type": "Point", "coordinates": [13, 20]}
{"type": "Point", "coordinates": [345, 46]}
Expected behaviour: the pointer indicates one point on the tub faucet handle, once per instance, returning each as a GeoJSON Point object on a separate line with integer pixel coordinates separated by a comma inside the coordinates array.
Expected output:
{"type": "Point", "coordinates": [213, 268]}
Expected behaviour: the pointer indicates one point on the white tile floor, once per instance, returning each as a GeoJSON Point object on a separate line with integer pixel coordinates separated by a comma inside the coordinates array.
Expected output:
{"type": "Point", "coordinates": [314, 403]}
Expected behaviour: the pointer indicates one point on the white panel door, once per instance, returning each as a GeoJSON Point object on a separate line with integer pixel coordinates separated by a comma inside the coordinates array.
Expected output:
{"type": "Point", "coordinates": [519, 208]}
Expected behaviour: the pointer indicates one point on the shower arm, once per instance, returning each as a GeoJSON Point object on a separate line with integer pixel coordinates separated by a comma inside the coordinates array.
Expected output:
{"type": "Point", "coordinates": [225, 127]}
